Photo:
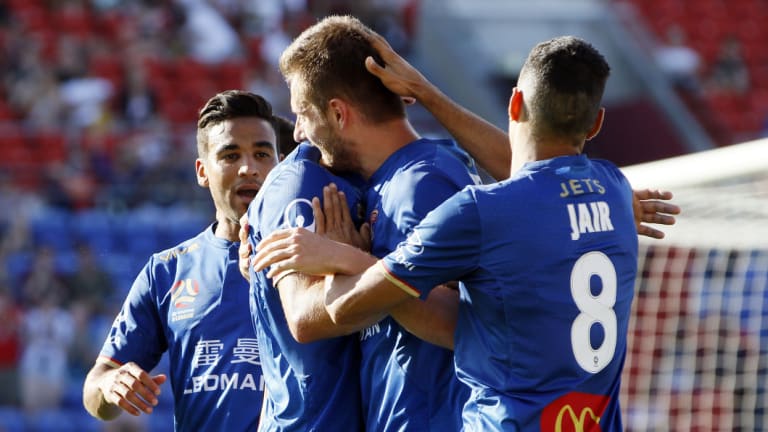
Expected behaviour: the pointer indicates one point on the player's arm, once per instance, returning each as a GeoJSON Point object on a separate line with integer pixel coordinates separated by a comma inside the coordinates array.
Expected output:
{"type": "Point", "coordinates": [335, 248]}
{"type": "Point", "coordinates": [303, 297]}
{"type": "Point", "coordinates": [297, 259]}
{"type": "Point", "coordinates": [290, 251]}
{"type": "Point", "coordinates": [486, 143]}
{"type": "Point", "coordinates": [351, 298]}
{"type": "Point", "coordinates": [434, 319]}
{"type": "Point", "coordinates": [109, 390]}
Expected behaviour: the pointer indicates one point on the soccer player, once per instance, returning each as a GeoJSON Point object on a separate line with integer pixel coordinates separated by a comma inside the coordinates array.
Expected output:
{"type": "Point", "coordinates": [309, 386]}
{"type": "Point", "coordinates": [547, 261]}
{"type": "Point", "coordinates": [191, 300]}
{"type": "Point", "coordinates": [358, 126]}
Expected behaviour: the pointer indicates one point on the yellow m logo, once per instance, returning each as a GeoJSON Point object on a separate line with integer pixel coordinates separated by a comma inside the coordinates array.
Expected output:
{"type": "Point", "coordinates": [577, 421]}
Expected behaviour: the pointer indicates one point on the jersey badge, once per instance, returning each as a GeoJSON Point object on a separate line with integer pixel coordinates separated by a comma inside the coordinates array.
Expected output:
{"type": "Point", "coordinates": [574, 412]}
{"type": "Point", "coordinates": [183, 295]}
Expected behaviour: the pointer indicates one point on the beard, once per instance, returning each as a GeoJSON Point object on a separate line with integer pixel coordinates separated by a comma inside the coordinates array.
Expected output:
{"type": "Point", "coordinates": [339, 154]}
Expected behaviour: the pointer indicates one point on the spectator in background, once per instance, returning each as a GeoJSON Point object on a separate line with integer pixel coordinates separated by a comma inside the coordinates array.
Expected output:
{"type": "Point", "coordinates": [729, 72]}
{"type": "Point", "coordinates": [136, 101]}
{"type": "Point", "coordinates": [90, 286]}
{"type": "Point", "coordinates": [10, 346]}
{"type": "Point", "coordinates": [679, 62]}
{"type": "Point", "coordinates": [48, 331]}
{"type": "Point", "coordinates": [43, 280]}
{"type": "Point", "coordinates": [208, 37]}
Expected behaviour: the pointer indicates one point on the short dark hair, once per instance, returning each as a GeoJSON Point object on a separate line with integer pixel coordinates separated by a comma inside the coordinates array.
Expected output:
{"type": "Point", "coordinates": [568, 77]}
{"type": "Point", "coordinates": [284, 131]}
{"type": "Point", "coordinates": [228, 105]}
{"type": "Point", "coordinates": [329, 58]}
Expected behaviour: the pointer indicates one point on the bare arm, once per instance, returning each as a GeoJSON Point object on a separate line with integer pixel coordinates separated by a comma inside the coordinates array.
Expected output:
{"type": "Point", "coordinates": [350, 298]}
{"type": "Point", "coordinates": [110, 390]}
{"type": "Point", "coordinates": [303, 300]}
{"type": "Point", "coordinates": [301, 288]}
{"type": "Point", "coordinates": [486, 143]}
{"type": "Point", "coordinates": [297, 249]}
{"type": "Point", "coordinates": [433, 320]}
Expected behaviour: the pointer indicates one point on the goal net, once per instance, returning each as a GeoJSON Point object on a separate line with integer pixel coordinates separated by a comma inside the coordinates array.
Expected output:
{"type": "Point", "coordinates": [697, 357]}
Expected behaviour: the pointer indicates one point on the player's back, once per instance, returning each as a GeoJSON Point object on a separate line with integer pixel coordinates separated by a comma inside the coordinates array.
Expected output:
{"type": "Point", "coordinates": [309, 386]}
{"type": "Point", "coordinates": [550, 299]}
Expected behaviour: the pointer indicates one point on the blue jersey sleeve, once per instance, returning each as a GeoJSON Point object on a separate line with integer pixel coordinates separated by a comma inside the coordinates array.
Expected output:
{"type": "Point", "coordinates": [286, 200]}
{"type": "Point", "coordinates": [405, 202]}
{"type": "Point", "coordinates": [137, 332]}
{"type": "Point", "coordinates": [443, 247]}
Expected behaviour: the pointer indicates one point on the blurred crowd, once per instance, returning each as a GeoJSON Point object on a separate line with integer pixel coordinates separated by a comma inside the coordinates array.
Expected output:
{"type": "Point", "coordinates": [716, 57]}
{"type": "Point", "coordinates": [98, 104]}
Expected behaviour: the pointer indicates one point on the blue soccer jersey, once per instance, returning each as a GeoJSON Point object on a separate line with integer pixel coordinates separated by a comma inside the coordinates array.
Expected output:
{"type": "Point", "coordinates": [310, 386]}
{"type": "Point", "coordinates": [191, 301]}
{"type": "Point", "coordinates": [547, 262]}
{"type": "Point", "coordinates": [409, 384]}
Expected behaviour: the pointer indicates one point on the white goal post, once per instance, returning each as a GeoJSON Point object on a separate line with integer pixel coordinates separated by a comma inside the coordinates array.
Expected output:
{"type": "Point", "coordinates": [723, 194]}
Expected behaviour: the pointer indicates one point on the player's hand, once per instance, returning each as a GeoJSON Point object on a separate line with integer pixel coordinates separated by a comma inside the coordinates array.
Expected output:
{"type": "Point", "coordinates": [244, 251]}
{"type": "Point", "coordinates": [650, 206]}
{"type": "Point", "coordinates": [131, 388]}
{"type": "Point", "coordinates": [296, 250]}
{"type": "Point", "coordinates": [334, 220]}
{"type": "Point", "coordinates": [396, 74]}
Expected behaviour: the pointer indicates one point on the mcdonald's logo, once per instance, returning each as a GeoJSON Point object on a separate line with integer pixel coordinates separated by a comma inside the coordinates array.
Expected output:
{"type": "Point", "coordinates": [574, 412]}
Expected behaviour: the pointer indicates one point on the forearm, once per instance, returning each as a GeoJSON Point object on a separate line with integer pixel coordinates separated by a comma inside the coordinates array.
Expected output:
{"type": "Point", "coordinates": [486, 143]}
{"type": "Point", "coordinates": [350, 260]}
{"type": "Point", "coordinates": [93, 398]}
{"type": "Point", "coordinates": [303, 299]}
{"type": "Point", "coordinates": [433, 320]}
{"type": "Point", "coordinates": [360, 298]}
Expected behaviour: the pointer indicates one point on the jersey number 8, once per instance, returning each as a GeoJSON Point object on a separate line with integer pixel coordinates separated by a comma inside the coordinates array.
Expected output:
{"type": "Point", "coordinates": [594, 309]}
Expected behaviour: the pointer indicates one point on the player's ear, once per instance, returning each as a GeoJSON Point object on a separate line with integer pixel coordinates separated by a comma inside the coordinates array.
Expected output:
{"type": "Point", "coordinates": [339, 112]}
{"type": "Point", "coordinates": [597, 125]}
{"type": "Point", "coordinates": [515, 108]}
{"type": "Point", "coordinates": [202, 176]}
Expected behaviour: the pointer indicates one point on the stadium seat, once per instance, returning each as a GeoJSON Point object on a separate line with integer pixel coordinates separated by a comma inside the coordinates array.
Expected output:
{"type": "Point", "coordinates": [51, 420]}
{"type": "Point", "coordinates": [95, 228]}
{"type": "Point", "coordinates": [52, 228]}
{"type": "Point", "coordinates": [11, 420]}
{"type": "Point", "coordinates": [17, 264]}
{"type": "Point", "coordinates": [49, 147]}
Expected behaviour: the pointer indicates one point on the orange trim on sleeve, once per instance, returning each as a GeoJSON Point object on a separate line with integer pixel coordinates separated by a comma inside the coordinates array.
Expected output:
{"type": "Point", "coordinates": [108, 361]}
{"type": "Point", "coordinates": [397, 282]}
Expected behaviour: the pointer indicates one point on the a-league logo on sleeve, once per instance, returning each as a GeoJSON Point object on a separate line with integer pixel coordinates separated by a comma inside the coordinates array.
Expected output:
{"type": "Point", "coordinates": [298, 214]}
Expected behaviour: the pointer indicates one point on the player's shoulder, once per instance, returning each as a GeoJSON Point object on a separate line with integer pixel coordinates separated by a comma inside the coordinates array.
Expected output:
{"type": "Point", "coordinates": [192, 245]}
{"type": "Point", "coordinates": [438, 156]}
{"type": "Point", "coordinates": [437, 151]}
{"type": "Point", "coordinates": [295, 171]}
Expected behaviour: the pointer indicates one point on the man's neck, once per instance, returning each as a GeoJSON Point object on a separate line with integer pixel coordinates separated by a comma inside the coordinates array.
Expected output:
{"type": "Point", "coordinates": [226, 229]}
{"type": "Point", "coordinates": [526, 150]}
{"type": "Point", "coordinates": [379, 142]}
